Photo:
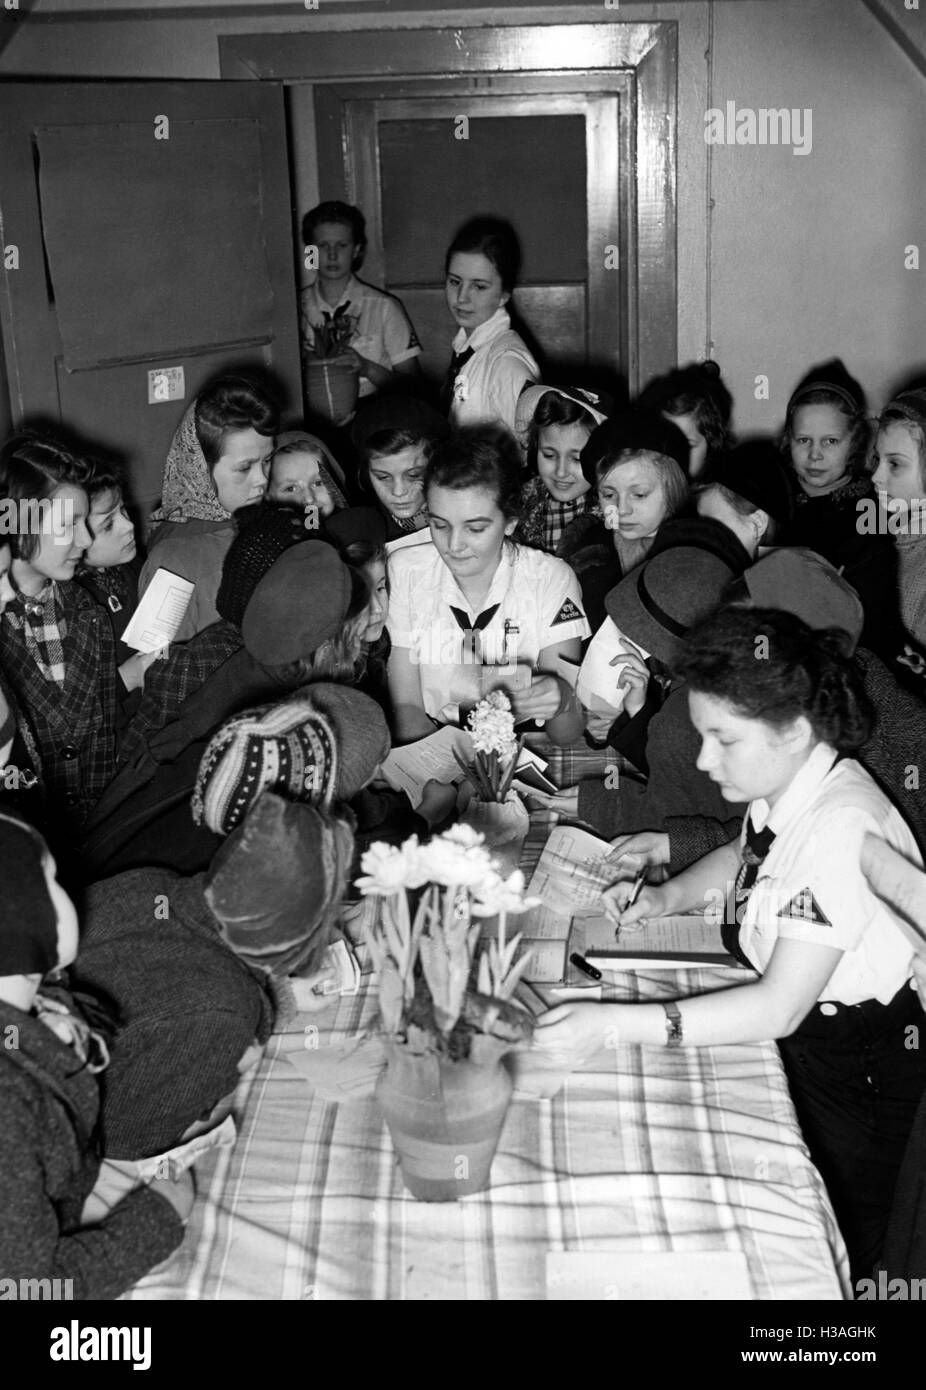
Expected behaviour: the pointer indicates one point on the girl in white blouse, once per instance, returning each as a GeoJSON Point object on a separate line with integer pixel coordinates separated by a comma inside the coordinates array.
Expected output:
{"type": "Point", "coordinates": [491, 363]}
{"type": "Point", "coordinates": [779, 711]}
{"type": "Point", "coordinates": [471, 610]}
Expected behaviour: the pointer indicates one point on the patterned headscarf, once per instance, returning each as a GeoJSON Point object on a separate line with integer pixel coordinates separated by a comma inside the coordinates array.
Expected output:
{"type": "Point", "coordinates": [188, 492]}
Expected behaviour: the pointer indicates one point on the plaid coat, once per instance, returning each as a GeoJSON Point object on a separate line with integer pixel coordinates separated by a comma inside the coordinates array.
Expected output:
{"type": "Point", "coordinates": [73, 726]}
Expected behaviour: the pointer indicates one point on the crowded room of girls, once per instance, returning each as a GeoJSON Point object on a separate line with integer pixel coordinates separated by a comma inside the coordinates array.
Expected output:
{"type": "Point", "coordinates": [463, 655]}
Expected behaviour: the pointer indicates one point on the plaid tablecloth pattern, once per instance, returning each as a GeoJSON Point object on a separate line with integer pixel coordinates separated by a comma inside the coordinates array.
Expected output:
{"type": "Point", "coordinates": [646, 1149]}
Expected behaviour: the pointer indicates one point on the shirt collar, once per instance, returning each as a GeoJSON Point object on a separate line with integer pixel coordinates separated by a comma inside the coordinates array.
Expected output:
{"type": "Point", "coordinates": [500, 322]}
{"type": "Point", "coordinates": [798, 795]}
{"type": "Point", "coordinates": [349, 295]}
{"type": "Point", "coordinates": [452, 593]}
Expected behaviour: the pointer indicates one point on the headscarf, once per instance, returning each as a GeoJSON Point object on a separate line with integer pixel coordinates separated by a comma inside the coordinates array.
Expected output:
{"type": "Point", "coordinates": [332, 474]}
{"type": "Point", "coordinates": [188, 491]}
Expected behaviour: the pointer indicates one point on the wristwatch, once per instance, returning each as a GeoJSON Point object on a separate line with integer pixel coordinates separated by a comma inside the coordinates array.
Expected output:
{"type": "Point", "coordinates": [674, 1033]}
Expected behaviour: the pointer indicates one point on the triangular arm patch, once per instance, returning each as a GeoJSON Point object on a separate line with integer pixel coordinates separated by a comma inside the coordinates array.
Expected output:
{"type": "Point", "coordinates": [804, 907]}
{"type": "Point", "coordinates": [568, 613]}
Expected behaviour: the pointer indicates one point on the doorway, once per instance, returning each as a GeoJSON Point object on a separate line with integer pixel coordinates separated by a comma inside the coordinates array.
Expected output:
{"type": "Point", "coordinates": [584, 114]}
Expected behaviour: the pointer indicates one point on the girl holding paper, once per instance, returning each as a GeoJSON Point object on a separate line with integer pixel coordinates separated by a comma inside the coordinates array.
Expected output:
{"type": "Point", "coordinates": [780, 711]}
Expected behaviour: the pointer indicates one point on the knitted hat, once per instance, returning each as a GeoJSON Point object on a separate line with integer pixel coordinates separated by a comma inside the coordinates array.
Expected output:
{"type": "Point", "coordinates": [301, 601]}
{"type": "Point", "coordinates": [324, 743]}
{"type": "Point", "coordinates": [803, 583]}
{"type": "Point", "coordinates": [911, 404]}
{"type": "Point", "coordinates": [380, 414]}
{"type": "Point", "coordinates": [28, 917]}
{"type": "Point", "coordinates": [355, 524]}
{"type": "Point", "coordinates": [263, 534]}
{"type": "Point", "coordinates": [754, 471]}
{"type": "Point", "coordinates": [680, 582]}
{"type": "Point", "coordinates": [830, 376]}
{"type": "Point", "coordinates": [637, 430]}
{"type": "Point", "coordinates": [595, 406]}
{"type": "Point", "coordinates": [276, 884]}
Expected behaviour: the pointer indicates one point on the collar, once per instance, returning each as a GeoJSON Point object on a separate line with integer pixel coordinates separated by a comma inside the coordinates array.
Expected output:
{"type": "Point", "coordinates": [799, 794]}
{"type": "Point", "coordinates": [350, 294]}
{"type": "Point", "coordinates": [499, 323]}
{"type": "Point", "coordinates": [451, 592]}
{"type": "Point", "coordinates": [36, 603]}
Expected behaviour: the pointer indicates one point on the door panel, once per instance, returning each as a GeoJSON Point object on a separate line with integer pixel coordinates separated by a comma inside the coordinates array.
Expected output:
{"type": "Point", "coordinates": [153, 227]}
{"type": "Point", "coordinates": [549, 162]}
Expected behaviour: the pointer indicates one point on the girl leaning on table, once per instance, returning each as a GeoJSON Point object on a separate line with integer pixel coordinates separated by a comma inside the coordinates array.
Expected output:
{"type": "Point", "coordinates": [780, 711]}
{"type": "Point", "coordinates": [471, 599]}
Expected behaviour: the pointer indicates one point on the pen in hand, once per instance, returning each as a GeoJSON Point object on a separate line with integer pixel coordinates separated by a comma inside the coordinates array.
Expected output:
{"type": "Point", "coordinates": [638, 885]}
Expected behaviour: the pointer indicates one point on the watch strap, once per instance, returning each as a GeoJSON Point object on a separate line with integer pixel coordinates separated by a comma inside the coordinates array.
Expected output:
{"type": "Point", "coordinates": [674, 1033]}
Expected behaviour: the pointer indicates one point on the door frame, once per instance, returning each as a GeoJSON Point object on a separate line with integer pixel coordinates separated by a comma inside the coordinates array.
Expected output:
{"type": "Point", "coordinates": [493, 60]}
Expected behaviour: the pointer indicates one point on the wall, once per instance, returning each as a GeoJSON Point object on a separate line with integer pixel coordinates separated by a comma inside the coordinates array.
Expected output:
{"type": "Point", "coordinates": [800, 257]}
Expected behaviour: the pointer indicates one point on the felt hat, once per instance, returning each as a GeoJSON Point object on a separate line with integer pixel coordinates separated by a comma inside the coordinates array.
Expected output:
{"type": "Point", "coordinates": [323, 743]}
{"type": "Point", "coordinates": [830, 376]}
{"type": "Point", "coordinates": [636, 430]}
{"type": "Point", "coordinates": [276, 884]}
{"type": "Point", "coordinates": [754, 471]}
{"type": "Point", "coordinates": [301, 602]}
{"type": "Point", "coordinates": [263, 534]}
{"type": "Point", "coordinates": [803, 583]}
{"type": "Point", "coordinates": [355, 524]}
{"type": "Point", "coordinates": [596, 406]}
{"type": "Point", "coordinates": [28, 917]}
{"type": "Point", "coordinates": [681, 581]}
{"type": "Point", "coordinates": [384, 413]}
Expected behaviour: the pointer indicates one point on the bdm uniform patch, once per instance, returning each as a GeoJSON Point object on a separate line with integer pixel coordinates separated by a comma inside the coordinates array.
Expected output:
{"type": "Point", "coordinates": [569, 613]}
{"type": "Point", "coordinates": [804, 907]}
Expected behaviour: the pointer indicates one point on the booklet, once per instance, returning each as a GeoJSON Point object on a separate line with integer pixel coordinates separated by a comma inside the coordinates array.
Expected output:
{"type": "Point", "coordinates": [668, 943]}
{"type": "Point", "coordinates": [572, 871]}
{"type": "Point", "coordinates": [161, 609]}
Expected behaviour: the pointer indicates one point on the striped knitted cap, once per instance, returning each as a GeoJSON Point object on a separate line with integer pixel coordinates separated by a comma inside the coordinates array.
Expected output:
{"type": "Point", "coordinates": [288, 748]}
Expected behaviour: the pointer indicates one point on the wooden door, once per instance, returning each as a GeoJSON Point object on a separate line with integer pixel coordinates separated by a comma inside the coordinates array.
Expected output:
{"type": "Point", "coordinates": [152, 236]}
{"type": "Point", "coordinates": [555, 163]}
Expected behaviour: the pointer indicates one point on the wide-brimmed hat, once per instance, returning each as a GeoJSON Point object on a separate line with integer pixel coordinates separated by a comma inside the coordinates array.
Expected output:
{"type": "Point", "coordinates": [680, 582]}
{"type": "Point", "coordinates": [803, 583]}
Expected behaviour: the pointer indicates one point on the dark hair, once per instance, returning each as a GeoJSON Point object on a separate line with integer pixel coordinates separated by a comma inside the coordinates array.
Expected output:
{"type": "Point", "coordinates": [31, 468]}
{"type": "Point", "coordinates": [694, 390]}
{"type": "Point", "coordinates": [859, 425]}
{"type": "Point", "coordinates": [232, 403]}
{"type": "Point", "coordinates": [493, 238]}
{"type": "Point", "coordinates": [335, 211]}
{"type": "Point", "coordinates": [554, 409]}
{"type": "Point", "coordinates": [769, 665]}
{"type": "Point", "coordinates": [104, 476]}
{"type": "Point", "coordinates": [479, 456]}
{"type": "Point", "coordinates": [741, 505]}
